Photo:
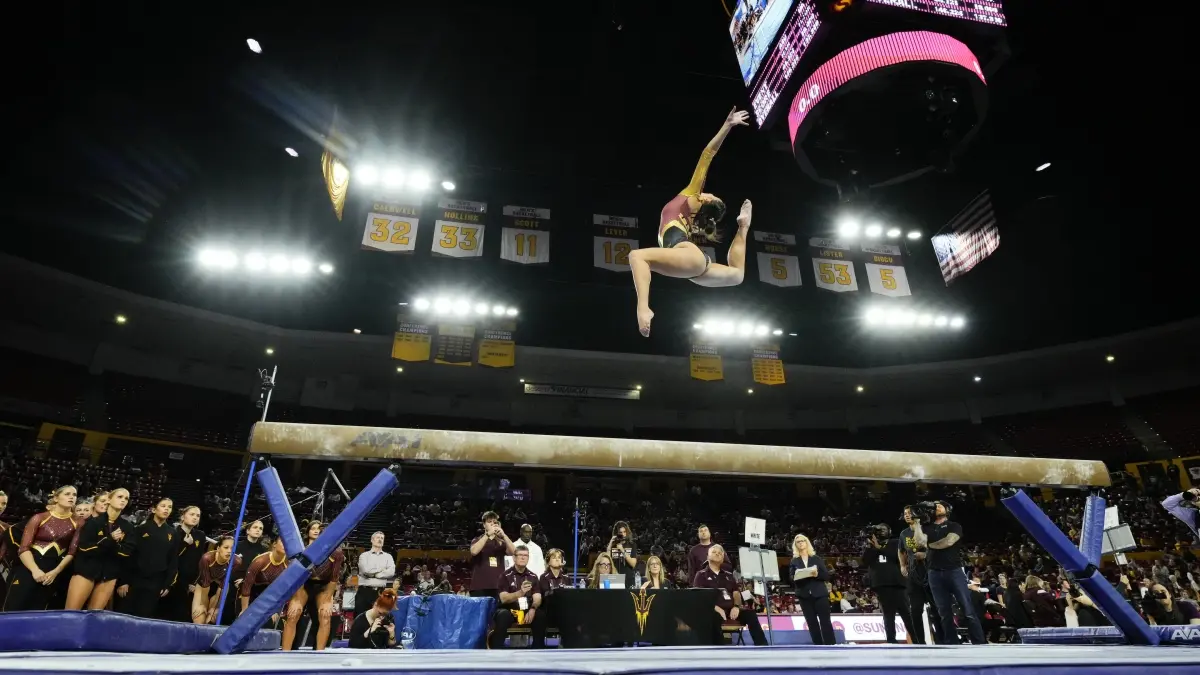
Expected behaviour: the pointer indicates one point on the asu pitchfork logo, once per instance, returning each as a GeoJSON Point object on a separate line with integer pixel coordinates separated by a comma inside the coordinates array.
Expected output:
{"type": "Point", "coordinates": [641, 607]}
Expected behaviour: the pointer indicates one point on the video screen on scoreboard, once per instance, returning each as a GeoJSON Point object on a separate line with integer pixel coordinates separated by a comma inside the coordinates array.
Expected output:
{"type": "Point", "coordinates": [753, 28]}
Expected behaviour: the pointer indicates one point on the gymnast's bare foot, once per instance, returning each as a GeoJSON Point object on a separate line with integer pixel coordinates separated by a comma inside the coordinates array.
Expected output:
{"type": "Point", "coordinates": [645, 316]}
{"type": "Point", "coordinates": [743, 219]}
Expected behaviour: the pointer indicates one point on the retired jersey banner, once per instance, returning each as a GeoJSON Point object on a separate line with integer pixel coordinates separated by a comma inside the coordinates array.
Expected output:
{"type": "Point", "coordinates": [705, 362]}
{"type": "Point", "coordinates": [766, 365]}
{"type": "Point", "coordinates": [459, 228]}
{"type": "Point", "coordinates": [411, 342]}
{"type": "Point", "coordinates": [615, 238]}
{"type": "Point", "coordinates": [525, 238]}
{"type": "Point", "coordinates": [833, 264]}
{"type": "Point", "coordinates": [885, 270]}
{"type": "Point", "coordinates": [391, 227]}
{"type": "Point", "coordinates": [777, 261]}
{"type": "Point", "coordinates": [455, 345]}
{"type": "Point", "coordinates": [497, 348]}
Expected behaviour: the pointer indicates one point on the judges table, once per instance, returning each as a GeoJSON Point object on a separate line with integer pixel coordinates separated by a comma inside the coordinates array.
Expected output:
{"type": "Point", "coordinates": [596, 617]}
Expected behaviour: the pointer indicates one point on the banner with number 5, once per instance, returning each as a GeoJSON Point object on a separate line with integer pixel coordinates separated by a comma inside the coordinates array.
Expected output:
{"type": "Point", "coordinates": [885, 270]}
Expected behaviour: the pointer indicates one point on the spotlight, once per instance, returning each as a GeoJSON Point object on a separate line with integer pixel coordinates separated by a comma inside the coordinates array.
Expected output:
{"type": "Point", "coordinates": [874, 230]}
{"type": "Point", "coordinates": [893, 233]}
{"type": "Point", "coordinates": [511, 311]}
{"type": "Point", "coordinates": [726, 328]}
{"type": "Point", "coordinates": [421, 304]}
{"type": "Point", "coordinates": [253, 45]}
{"type": "Point", "coordinates": [279, 264]}
{"type": "Point", "coordinates": [498, 310]}
{"type": "Point", "coordinates": [393, 177]}
{"type": "Point", "coordinates": [420, 180]}
{"type": "Point", "coordinates": [301, 266]}
{"type": "Point", "coordinates": [941, 322]}
{"type": "Point", "coordinates": [745, 329]}
{"type": "Point", "coordinates": [957, 322]}
{"type": "Point", "coordinates": [848, 228]}
{"type": "Point", "coordinates": [697, 326]}
{"type": "Point", "coordinates": [709, 328]}
{"type": "Point", "coordinates": [925, 320]}
{"type": "Point", "coordinates": [357, 331]}
{"type": "Point", "coordinates": [399, 369]}
{"type": "Point", "coordinates": [448, 185]}
{"type": "Point", "coordinates": [522, 380]}
{"type": "Point", "coordinates": [441, 306]}
{"type": "Point", "coordinates": [908, 318]}
{"type": "Point", "coordinates": [270, 351]}
{"type": "Point", "coordinates": [791, 334]}
{"type": "Point", "coordinates": [1043, 167]}
{"type": "Point", "coordinates": [120, 319]}
{"type": "Point", "coordinates": [894, 317]}
{"type": "Point", "coordinates": [218, 258]}
{"type": "Point", "coordinates": [978, 378]}
{"type": "Point", "coordinates": [256, 262]}
{"type": "Point", "coordinates": [1110, 358]}
{"type": "Point", "coordinates": [367, 174]}
{"type": "Point", "coordinates": [638, 387]}
{"type": "Point", "coordinates": [778, 332]}
{"type": "Point", "coordinates": [481, 308]}
{"type": "Point", "coordinates": [292, 152]}
{"type": "Point", "coordinates": [761, 330]}
{"type": "Point", "coordinates": [749, 391]}
{"type": "Point", "coordinates": [461, 307]}
{"type": "Point", "coordinates": [914, 235]}
{"type": "Point", "coordinates": [874, 315]}
{"type": "Point", "coordinates": [326, 268]}
{"type": "Point", "coordinates": [860, 389]}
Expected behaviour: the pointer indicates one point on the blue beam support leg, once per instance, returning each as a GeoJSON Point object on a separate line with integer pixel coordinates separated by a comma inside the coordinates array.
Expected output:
{"type": "Point", "coordinates": [237, 535]}
{"type": "Point", "coordinates": [1091, 535]}
{"type": "Point", "coordinates": [285, 520]}
{"type": "Point", "coordinates": [234, 639]}
{"type": "Point", "coordinates": [1043, 530]}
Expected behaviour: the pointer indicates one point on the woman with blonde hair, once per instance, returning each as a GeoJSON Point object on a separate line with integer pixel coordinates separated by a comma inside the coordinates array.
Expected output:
{"type": "Point", "coordinates": [603, 565]}
{"type": "Point", "coordinates": [47, 547]}
{"type": "Point", "coordinates": [808, 575]}
{"type": "Point", "coordinates": [656, 575]}
{"type": "Point", "coordinates": [97, 559]}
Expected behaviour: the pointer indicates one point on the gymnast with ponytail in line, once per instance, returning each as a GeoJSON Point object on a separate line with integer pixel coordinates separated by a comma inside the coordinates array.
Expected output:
{"type": "Point", "coordinates": [317, 595]}
{"type": "Point", "coordinates": [97, 559]}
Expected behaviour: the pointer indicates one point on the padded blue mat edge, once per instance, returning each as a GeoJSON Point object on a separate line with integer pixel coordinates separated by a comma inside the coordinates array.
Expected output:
{"type": "Point", "coordinates": [101, 631]}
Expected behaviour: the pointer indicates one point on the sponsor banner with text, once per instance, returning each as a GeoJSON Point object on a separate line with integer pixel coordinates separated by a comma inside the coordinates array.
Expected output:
{"type": "Point", "coordinates": [582, 392]}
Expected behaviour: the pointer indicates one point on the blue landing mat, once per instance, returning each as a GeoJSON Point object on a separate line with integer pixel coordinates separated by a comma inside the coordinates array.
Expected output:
{"type": "Point", "coordinates": [74, 631]}
{"type": "Point", "coordinates": [844, 660]}
{"type": "Point", "coordinates": [1106, 635]}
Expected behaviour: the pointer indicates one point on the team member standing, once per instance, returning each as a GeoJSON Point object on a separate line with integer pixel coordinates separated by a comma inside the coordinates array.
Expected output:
{"type": "Point", "coordinates": [317, 595]}
{"type": "Point", "coordinates": [376, 570]}
{"type": "Point", "coordinates": [211, 575]}
{"type": "Point", "coordinates": [520, 599]}
{"type": "Point", "coordinates": [537, 563]}
{"type": "Point", "coordinates": [698, 554]}
{"type": "Point", "coordinates": [261, 571]}
{"type": "Point", "coordinates": [487, 554]}
{"type": "Point", "coordinates": [151, 556]}
{"type": "Point", "coordinates": [47, 546]}
{"type": "Point", "coordinates": [916, 575]}
{"type": "Point", "coordinates": [882, 561]}
{"type": "Point", "coordinates": [809, 574]}
{"type": "Point", "coordinates": [729, 602]}
{"type": "Point", "coordinates": [192, 545]}
{"type": "Point", "coordinates": [97, 559]}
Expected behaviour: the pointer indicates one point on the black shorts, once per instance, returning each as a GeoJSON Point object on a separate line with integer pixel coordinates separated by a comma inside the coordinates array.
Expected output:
{"type": "Point", "coordinates": [97, 568]}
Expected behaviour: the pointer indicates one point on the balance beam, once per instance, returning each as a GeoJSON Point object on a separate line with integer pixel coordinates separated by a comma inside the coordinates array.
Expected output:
{"type": "Point", "coordinates": [573, 452]}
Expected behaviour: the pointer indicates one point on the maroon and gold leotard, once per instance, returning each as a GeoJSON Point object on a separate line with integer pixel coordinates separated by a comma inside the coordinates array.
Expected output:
{"type": "Point", "coordinates": [262, 571]}
{"type": "Point", "coordinates": [330, 569]}
{"type": "Point", "coordinates": [212, 572]}
{"type": "Point", "coordinates": [678, 212]}
{"type": "Point", "coordinates": [46, 531]}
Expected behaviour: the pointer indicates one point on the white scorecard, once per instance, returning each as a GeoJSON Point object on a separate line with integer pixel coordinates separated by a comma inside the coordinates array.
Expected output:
{"type": "Point", "coordinates": [758, 564]}
{"type": "Point", "coordinates": [756, 531]}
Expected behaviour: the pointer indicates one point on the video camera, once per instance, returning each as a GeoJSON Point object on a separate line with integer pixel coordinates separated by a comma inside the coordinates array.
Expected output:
{"type": "Point", "coordinates": [879, 531]}
{"type": "Point", "coordinates": [925, 512]}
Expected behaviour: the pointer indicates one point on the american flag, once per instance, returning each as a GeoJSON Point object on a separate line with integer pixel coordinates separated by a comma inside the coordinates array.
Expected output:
{"type": "Point", "coordinates": [972, 237]}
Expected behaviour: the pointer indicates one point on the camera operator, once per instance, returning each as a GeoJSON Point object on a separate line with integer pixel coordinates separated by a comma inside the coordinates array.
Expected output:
{"type": "Point", "coordinates": [1184, 507]}
{"type": "Point", "coordinates": [882, 561]}
{"type": "Point", "coordinates": [912, 566]}
{"type": "Point", "coordinates": [933, 528]}
{"type": "Point", "coordinates": [1162, 610]}
{"type": "Point", "coordinates": [623, 550]}
{"type": "Point", "coordinates": [374, 628]}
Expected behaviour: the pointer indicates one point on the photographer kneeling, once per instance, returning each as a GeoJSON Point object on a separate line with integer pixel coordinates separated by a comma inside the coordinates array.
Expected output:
{"type": "Point", "coordinates": [1162, 610]}
{"type": "Point", "coordinates": [884, 577]}
{"type": "Point", "coordinates": [947, 581]}
{"type": "Point", "coordinates": [374, 628]}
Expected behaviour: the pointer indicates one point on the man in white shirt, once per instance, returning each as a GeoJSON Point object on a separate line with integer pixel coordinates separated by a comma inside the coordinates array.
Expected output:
{"type": "Point", "coordinates": [376, 570]}
{"type": "Point", "coordinates": [537, 564]}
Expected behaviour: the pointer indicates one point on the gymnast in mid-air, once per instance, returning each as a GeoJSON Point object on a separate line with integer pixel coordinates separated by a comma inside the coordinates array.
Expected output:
{"type": "Point", "coordinates": [692, 213]}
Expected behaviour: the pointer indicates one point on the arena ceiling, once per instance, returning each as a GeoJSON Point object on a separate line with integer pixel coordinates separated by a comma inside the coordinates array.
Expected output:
{"type": "Point", "coordinates": [136, 136]}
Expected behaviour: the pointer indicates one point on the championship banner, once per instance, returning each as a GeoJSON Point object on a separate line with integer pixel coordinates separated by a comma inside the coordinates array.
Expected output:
{"type": "Point", "coordinates": [525, 238]}
{"type": "Point", "coordinates": [833, 265]}
{"type": "Point", "coordinates": [497, 348]}
{"type": "Point", "coordinates": [885, 270]}
{"type": "Point", "coordinates": [455, 344]}
{"type": "Point", "coordinates": [616, 237]}
{"type": "Point", "coordinates": [766, 365]}
{"type": "Point", "coordinates": [705, 362]}
{"type": "Point", "coordinates": [458, 230]}
{"type": "Point", "coordinates": [391, 227]}
{"type": "Point", "coordinates": [777, 261]}
{"type": "Point", "coordinates": [411, 342]}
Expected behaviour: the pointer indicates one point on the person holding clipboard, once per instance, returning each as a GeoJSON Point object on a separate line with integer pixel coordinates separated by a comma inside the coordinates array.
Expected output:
{"type": "Point", "coordinates": [809, 574]}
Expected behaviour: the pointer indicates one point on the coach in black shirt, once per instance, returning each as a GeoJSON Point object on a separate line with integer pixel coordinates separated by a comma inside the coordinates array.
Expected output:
{"type": "Point", "coordinates": [883, 576]}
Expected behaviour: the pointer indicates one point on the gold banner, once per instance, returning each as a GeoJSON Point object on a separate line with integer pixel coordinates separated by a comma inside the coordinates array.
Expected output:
{"type": "Point", "coordinates": [455, 344]}
{"type": "Point", "coordinates": [766, 365]}
{"type": "Point", "coordinates": [411, 342]}
{"type": "Point", "coordinates": [497, 349]}
{"type": "Point", "coordinates": [705, 362]}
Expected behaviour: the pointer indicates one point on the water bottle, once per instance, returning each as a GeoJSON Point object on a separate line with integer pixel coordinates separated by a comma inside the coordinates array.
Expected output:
{"type": "Point", "coordinates": [637, 580]}
{"type": "Point", "coordinates": [605, 584]}
{"type": "Point", "coordinates": [407, 638]}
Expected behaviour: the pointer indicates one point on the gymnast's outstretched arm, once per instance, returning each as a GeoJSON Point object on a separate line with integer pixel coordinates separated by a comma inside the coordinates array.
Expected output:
{"type": "Point", "coordinates": [736, 118]}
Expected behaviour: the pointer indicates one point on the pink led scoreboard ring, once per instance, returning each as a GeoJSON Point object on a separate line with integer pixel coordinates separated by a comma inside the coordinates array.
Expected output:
{"type": "Point", "coordinates": [876, 53]}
